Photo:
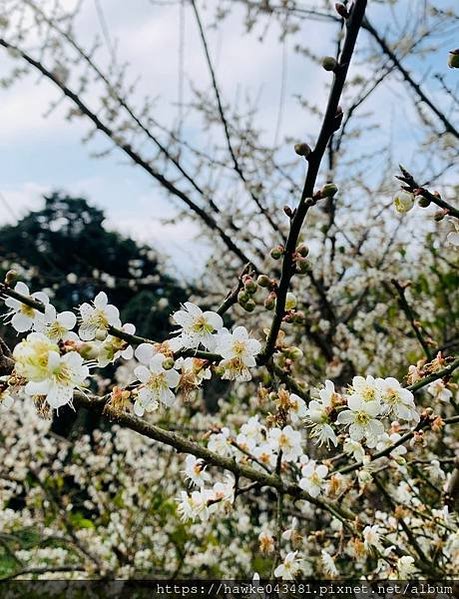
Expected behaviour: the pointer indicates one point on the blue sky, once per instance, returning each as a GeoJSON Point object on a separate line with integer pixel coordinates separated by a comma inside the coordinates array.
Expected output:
{"type": "Point", "coordinates": [39, 154]}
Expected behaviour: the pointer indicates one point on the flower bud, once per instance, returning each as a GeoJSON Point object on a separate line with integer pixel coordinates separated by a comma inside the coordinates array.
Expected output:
{"type": "Point", "coordinates": [249, 285]}
{"type": "Point", "coordinates": [277, 252]}
{"type": "Point", "coordinates": [329, 63]}
{"type": "Point", "coordinates": [263, 281]}
{"type": "Point", "coordinates": [329, 190]}
{"type": "Point", "coordinates": [302, 149]}
{"type": "Point", "coordinates": [302, 265]}
{"type": "Point", "coordinates": [295, 353]}
{"type": "Point", "coordinates": [440, 215]}
{"type": "Point", "coordinates": [89, 351]}
{"type": "Point", "coordinates": [168, 363]}
{"type": "Point", "coordinates": [243, 297]}
{"type": "Point", "coordinates": [10, 277]}
{"type": "Point", "coordinates": [270, 301]}
{"type": "Point", "coordinates": [403, 201]}
{"type": "Point", "coordinates": [300, 316]}
{"type": "Point", "coordinates": [341, 10]}
{"type": "Point", "coordinates": [423, 202]}
{"type": "Point", "coordinates": [453, 59]}
{"type": "Point", "coordinates": [302, 250]}
{"type": "Point", "coordinates": [101, 334]}
{"type": "Point", "coordinates": [288, 211]}
{"type": "Point", "coordinates": [290, 301]}
{"type": "Point", "coordinates": [249, 306]}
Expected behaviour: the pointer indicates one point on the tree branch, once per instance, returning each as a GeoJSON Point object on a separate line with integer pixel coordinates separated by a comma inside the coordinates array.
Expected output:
{"type": "Point", "coordinates": [135, 157]}
{"type": "Point", "coordinates": [330, 124]}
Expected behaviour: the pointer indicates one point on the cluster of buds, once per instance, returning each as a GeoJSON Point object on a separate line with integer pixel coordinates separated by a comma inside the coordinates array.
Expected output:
{"type": "Point", "coordinates": [266, 282]}
{"type": "Point", "coordinates": [300, 258]}
{"type": "Point", "coordinates": [404, 200]}
{"type": "Point", "coordinates": [292, 315]}
{"type": "Point", "coordinates": [246, 294]}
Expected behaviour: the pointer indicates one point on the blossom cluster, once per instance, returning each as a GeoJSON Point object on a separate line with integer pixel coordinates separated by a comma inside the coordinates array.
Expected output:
{"type": "Point", "coordinates": [53, 361]}
{"type": "Point", "coordinates": [301, 438]}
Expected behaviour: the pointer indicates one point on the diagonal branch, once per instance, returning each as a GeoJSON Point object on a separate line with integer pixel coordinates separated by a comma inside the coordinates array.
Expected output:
{"type": "Point", "coordinates": [330, 123]}
{"type": "Point", "coordinates": [183, 445]}
{"type": "Point", "coordinates": [416, 87]}
{"type": "Point", "coordinates": [135, 157]}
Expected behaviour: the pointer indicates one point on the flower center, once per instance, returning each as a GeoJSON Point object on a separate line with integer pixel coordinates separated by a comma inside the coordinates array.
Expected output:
{"type": "Point", "coordinates": [238, 348]}
{"type": "Point", "coordinates": [391, 396]}
{"type": "Point", "coordinates": [99, 319]}
{"type": "Point", "coordinates": [362, 418]}
{"type": "Point", "coordinates": [157, 382]}
{"type": "Point", "coordinates": [200, 325]}
{"type": "Point", "coordinates": [369, 394]}
{"type": "Point", "coordinates": [27, 310]}
{"type": "Point", "coordinates": [56, 330]}
{"type": "Point", "coordinates": [62, 375]}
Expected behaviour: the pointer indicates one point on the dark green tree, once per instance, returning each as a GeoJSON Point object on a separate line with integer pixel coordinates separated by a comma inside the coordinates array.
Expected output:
{"type": "Point", "coordinates": [66, 247]}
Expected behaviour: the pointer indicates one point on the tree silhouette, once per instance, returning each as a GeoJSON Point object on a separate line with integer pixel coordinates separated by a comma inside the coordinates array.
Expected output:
{"type": "Point", "coordinates": [66, 247]}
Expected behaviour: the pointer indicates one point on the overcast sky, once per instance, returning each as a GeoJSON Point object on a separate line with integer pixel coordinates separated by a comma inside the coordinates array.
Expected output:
{"type": "Point", "coordinates": [39, 154]}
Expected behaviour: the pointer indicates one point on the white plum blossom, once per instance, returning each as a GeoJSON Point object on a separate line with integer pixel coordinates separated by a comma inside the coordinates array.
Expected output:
{"type": "Point", "coordinates": [238, 351]}
{"type": "Point", "coordinates": [320, 428]}
{"type": "Point", "coordinates": [361, 419]}
{"type": "Point", "coordinates": [197, 327]}
{"type": "Point", "coordinates": [289, 533]}
{"type": "Point", "coordinates": [440, 391]}
{"type": "Point", "coordinates": [195, 471]}
{"type": "Point", "coordinates": [286, 440]}
{"type": "Point", "coordinates": [157, 383]}
{"type": "Point", "coordinates": [435, 470]}
{"type": "Point", "coordinates": [31, 356]}
{"type": "Point", "coordinates": [397, 400]}
{"type": "Point", "coordinates": [47, 372]}
{"type": "Point", "coordinates": [266, 541]}
{"type": "Point", "coordinates": [405, 567]}
{"type": "Point", "coordinates": [297, 408]}
{"type": "Point", "coordinates": [192, 366]}
{"type": "Point", "coordinates": [57, 326]}
{"type": "Point", "coordinates": [327, 394]}
{"type": "Point", "coordinates": [194, 505]}
{"type": "Point", "coordinates": [144, 352]}
{"type": "Point", "coordinates": [290, 567]}
{"type": "Point", "coordinates": [367, 388]}
{"type": "Point", "coordinates": [65, 374]}
{"type": "Point", "coordinates": [265, 454]}
{"type": "Point", "coordinates": [24, 317]}
{"type": "Point", "coordinates": [372, 537]}
{"type": "Point", "coordinates": [386, 441]}
{"type": "Point", "coordinates": [97, 317]}
{"type": "Point", "coordinates": [224, 491]}
{"type": "Point", "coordinates": [313, 478]}
{"type": "Point", "coordinates": [328, 564]}
{"type": "Point", "coordinates": [317, 415]}
{"type": "Point", "coordinates": [113, 347]}
{"type": "Point", "coordinates": [221, 443]}
{"type": "Point", "coordinates": [250, 434]}
{"type": "Point", "coordinates": [355, 449]}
